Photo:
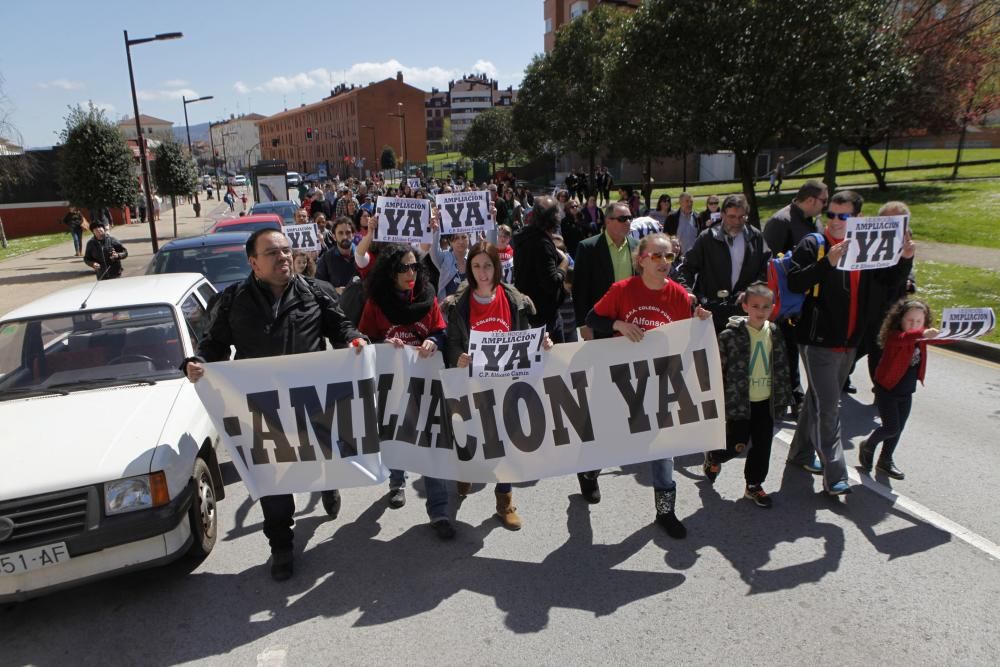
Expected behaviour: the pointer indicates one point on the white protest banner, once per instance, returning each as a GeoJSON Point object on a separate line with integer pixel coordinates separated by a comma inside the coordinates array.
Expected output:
{"type": "Point", "coordinates": [963, 323]}
{"type": "Point", "coordinates": [303, 237]}
{"type": "Point", "coordinates": [876, 243]}
{"type": "Point", "coordinates": [465, 212]}
{"type": "Point", "coordinates": [644, 226]}
{"type": "Point", "coordinates": [402, 220]}
{"type": "Point", "coordinates": [598, 404]}
{"type": "Point", "coordinates": [414, 183]}
{"type": "Point", "coordinates": [516, 354]}
{"type": "Point", "coordinates": [297, 423]}
{"type": "Point", "coordinates": [714, 218]}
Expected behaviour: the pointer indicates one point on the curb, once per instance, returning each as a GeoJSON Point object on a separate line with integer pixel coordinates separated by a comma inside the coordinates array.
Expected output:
{"type": "Point", "coordinates": [977, 349]}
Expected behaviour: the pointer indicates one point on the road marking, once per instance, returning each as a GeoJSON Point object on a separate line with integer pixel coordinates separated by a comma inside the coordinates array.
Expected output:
{"type": "Point", "coordinates": [915, 509]}
{"type": "Point", "coordinates": [964, 357]}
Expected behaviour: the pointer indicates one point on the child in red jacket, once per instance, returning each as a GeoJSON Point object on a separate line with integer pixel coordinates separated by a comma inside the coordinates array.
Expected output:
{"type": "Point", "coordinates": [903, 339]}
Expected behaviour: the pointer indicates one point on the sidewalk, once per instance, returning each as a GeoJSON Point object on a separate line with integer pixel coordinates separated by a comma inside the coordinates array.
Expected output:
{"type": "Point", "coordinates": [28, 277]}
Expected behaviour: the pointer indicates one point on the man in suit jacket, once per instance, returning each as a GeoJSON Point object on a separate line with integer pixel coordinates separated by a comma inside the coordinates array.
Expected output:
{"type": "Point", "coordinates": [684, 223]}
{"type": "Point", "coordinates": [602, 260]}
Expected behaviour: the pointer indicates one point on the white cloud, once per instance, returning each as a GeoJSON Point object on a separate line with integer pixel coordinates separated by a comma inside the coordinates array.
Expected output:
{"type": "Point", "coordinates": [64, 84]}
{"type": "Point", "coordinates": [176, 83]}
{"type": "Point", "coordinates": [176, 94]}
{"type": "Point", "coordinates": [363, 74]}
{"type": "Point", "coordinates": [103, 106]}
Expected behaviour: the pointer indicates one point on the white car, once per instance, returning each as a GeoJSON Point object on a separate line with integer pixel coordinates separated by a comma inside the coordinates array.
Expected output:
{"type": "Point", "coordinates": [238, 179]}
{"type": "Point", "coordinates": [108, 456]}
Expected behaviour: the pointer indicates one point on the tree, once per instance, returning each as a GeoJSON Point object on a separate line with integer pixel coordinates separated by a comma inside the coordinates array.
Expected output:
{"type": "Point", "coordinates": [174, 174]}
{"type": "Point", "coordinates": [12, 169]}
{"type": "Point", "coordinates": [491, 137]}
{"type": "Point", "coordinates": [564, 104]}
{"type": "Point", "coordinates": [388, 159]}
{"type": "Point", "coordinates": [96, 167]}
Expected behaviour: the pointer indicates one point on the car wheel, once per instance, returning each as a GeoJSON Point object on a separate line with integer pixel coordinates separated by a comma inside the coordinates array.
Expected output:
{"type": "Point", "coordinates": [203, 514]}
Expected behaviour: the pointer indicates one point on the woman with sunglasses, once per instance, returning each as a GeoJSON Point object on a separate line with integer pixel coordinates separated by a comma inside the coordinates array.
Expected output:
{"type": "Point", "coordinates": [486, 304]}
{"type": "Point", "coordinates": [663, 208]}
{"type": "Point", "coordinates": [402, 309]}
{"type": "Point", "coordinates": [711, 208]}
{"type": "Point", "coordinates": [629, 309]}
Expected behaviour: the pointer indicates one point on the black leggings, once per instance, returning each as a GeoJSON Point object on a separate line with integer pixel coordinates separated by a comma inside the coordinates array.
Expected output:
{"type": "Point", "coordinates": [758, 432]}
{"type": "Point", "coordinates": [894, 411]}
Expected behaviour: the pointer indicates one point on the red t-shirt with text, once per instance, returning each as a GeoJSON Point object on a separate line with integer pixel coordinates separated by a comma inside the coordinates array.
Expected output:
{"type": "Point", "coordinates": [377, 326]}
{"type": "Point", "coordinates": [494, 316]}
{"type": "Point", "coordinates": [631, 301]}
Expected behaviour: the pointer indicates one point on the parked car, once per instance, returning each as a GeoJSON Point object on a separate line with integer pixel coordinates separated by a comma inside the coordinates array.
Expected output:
{"type": "Point", "coordinates": [221, 257]}
{"type": "Point", "coordinates": [293, 179]}
{"type": "Point", "coordinates": [109, 460]}
{"type": "Point", "coordinates": [284, 209]}
{"type": "Point", "coordinates": [238, 179]}
{"type": "Point", "coordinates": [247, 223]}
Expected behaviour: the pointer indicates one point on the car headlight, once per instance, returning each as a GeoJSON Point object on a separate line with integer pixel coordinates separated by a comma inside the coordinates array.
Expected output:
{"type": "Point", "coordinates": [135, 493]}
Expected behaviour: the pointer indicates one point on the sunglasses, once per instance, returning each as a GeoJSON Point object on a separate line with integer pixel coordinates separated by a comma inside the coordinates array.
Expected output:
{"type": "Point", "coordinates": [403, 268]}
{"type": "Point", "coordinates": [838, 216]}
{"type": "Point", "coordinates": [659, 256]}
{"type": "Point", "coordinates": [621, 218]}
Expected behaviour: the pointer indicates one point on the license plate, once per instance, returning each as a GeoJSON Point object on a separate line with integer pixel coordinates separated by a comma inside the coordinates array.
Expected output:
{"type": "Point", "coordinates": [33, 559]}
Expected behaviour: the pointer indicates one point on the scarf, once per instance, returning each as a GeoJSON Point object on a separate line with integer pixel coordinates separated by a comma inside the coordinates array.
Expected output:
{"type": "Point", "coordinates": [401, 310]}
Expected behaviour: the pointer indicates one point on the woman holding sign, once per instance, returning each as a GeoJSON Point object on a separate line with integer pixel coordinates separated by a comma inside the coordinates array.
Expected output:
{"type": "Point", "coordinates": [402, 310]}
{"type": "Point", "coordinates": [486, 304]}
{"type": "Point", "coordinates": [630, 308]}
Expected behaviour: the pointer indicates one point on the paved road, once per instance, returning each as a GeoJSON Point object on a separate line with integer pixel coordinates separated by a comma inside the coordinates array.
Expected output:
{"type": "Point", "coordinates": [866, 580]}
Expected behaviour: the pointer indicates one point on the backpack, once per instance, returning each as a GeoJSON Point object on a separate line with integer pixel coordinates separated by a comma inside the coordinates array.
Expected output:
{"type": "Point", "coordinates": [786, 302]}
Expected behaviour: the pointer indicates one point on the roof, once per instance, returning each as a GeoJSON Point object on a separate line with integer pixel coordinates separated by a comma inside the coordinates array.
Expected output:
{"type": "Point", "coordinates": [209, 240]}
{"type": "Point", "coordinates": [164, 288]}
{"type": "Point", "coordinates": [145, 120]}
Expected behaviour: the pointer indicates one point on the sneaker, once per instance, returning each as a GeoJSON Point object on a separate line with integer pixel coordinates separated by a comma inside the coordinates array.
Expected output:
{"type": "Point", "coordinates": [281, 565]}
{"type": "Point", "coordinates": [711, 468]}
{"type": "Point", "coordinates": [443, 528]}
{"type": "Point", "coordinates": [758, 496]}
{"type": "Point", "coordinates": [397, 497]}
{"type": "Point", "coordinates": [839, 489]}
{"type": "Point", "coordinates": [331, 502]}
{"type": "Point", "coordinates": [816, 467]}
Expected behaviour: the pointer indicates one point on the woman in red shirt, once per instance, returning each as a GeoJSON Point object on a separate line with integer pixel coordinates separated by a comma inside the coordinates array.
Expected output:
{"type": "Point", "coordinates": [402, 309]}
{"type": "Point", "coordinates": [630, 308]}
{"type": "Point", "coordinates": [486, 304]}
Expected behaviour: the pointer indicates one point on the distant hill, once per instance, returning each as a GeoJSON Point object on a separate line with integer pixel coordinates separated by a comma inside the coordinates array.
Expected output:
{"type": "Point", "coordinates": [199, 132]}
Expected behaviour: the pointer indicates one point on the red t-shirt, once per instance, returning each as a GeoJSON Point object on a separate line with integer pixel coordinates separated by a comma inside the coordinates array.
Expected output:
{"type": "Point", "coordinates": [494, 316]}
{"type": "Point", "coordinates": [377, 326]}
{"type": "Point", "coordinates": [631, 301]}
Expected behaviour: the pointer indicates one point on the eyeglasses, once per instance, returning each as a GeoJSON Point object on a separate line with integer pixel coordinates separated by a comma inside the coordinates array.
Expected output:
{"type": "Point", "coordinates": [403, 268]}
{"type": "Point", "coordinates": [274, 252]}
{"type": "Point", "coordinates": [713, 203]}
{"type": "Point", "coordinates": [823, 200]}
{"type": "Point", "coordinates": [621, 218]}
{"type": "Point", "coordinates": [659, 256]}
{"type": "Point", "coordinates": [838, 216]}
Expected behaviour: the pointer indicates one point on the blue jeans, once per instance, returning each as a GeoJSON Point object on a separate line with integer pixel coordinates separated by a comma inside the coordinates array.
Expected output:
{"type": "Point", "coordinates": [436, 489]}
{"type": "Point", "coordinates": [663, 474]}
{"type": "Point", "coordinates": [77, 234]}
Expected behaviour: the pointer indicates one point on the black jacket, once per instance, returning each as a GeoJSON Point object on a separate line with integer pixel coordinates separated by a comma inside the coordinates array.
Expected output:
{"type": "Point", "coordinates": [537, 273]}
{"type": "Point", "coordinates": [673, 221]}
{"type": "Point", "coordinates": [336, 269]}
{"type": "Point", "coordinates": [707, 269]}
{"type": "Point", "coordinates": [243, 316]}
{"type": "Point", "coordinates": [826, 311]}
{"type": "Point", "coordinates": [593, 274]}
{"type": "Point", "coordinates": [100, 252]}
{"type": "Point", "coordinates": [784, 229]}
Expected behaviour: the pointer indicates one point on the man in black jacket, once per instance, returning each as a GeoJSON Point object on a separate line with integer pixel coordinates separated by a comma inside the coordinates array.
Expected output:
{"type": "Point", "coordinates": [540, 267]}
{"type": "Point", "coordinates": [724, 261]}
{"type": "Point", "coordinates": [782, 232]}
{"type": "Point", "coordinates": [272, 313]}
{"type": "Point", "coordinates": [104, 253]}
{"type": "Point", "coordinates": [829, 329]}
{"type": "Point", "coordinates": [684, 223]}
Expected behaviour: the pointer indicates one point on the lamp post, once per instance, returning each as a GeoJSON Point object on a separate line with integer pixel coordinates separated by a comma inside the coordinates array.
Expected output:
{"type": "Point", "coordinates": [375, 155]}
{"type": "Point", "coordinates": [402, 135]}
{"type": "Point", "coordinates": [138, 126]}
{"type": "Point", "coordinates": [187, 128]}
{"type": "Point", "coordinates": [225, 156]}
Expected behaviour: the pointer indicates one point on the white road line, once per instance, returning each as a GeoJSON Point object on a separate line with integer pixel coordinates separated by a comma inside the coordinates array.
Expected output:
{"type": "Point", "coordinates": [915, 509]}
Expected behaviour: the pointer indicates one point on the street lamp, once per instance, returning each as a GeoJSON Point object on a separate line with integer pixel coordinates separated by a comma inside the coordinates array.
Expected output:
{"type": "Point", "coordinates": [374, 154]}
{"type": "Point", "coordinates": [138, 126]}
{"type": "Point", "coordinates": [225, 156]}
{"type": "Point", "coordinates": [187, 128]}
{"type": "Point", "coordinates": [402, 135]}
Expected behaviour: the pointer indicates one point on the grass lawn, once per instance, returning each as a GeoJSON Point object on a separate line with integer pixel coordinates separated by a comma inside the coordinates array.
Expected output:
{"type": "Point", "coordinates": [900, 157]}
{"type": "Point", "coordinates": [952, 286]}
{"type": "Point", "coordinates": [27, 244]}
{"type": "Point", "coordinates": [439, 159]}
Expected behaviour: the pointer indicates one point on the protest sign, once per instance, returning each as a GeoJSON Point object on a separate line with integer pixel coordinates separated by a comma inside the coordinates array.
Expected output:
{"type": "Point", "coordinates": [465, 212]}
{"type": "Point", "coordinates": [414, 183]}
{"type": "Point", "coordinates": [964, 323]}
{"type": "Point", "coordinates": [597, 404]}
{"type": "Point", "coordinates": [876, 243]}
{"type": "Point", "coordinates": [402, 220]}
{"type": "Point", "coordinates": [644, 226]}
{"type": "Point", "coordinates": [506, 353]}
{"type": "Point", "coordinates": [303, 237]}
{"type": "Point", "coordinates": [297, 423]}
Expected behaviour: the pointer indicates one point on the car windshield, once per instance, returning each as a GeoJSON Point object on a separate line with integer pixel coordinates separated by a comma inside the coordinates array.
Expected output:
{"type": "Point", "coordinates": [220, 264]}
{"type": "Point", "coordinates": [75, 351]}
{"type": "Point", "coordinates": [286, 211]}
{"type": "Point", "coordinates": [245, 226]}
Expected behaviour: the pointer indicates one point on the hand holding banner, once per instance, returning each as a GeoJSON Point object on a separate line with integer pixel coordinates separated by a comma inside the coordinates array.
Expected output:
{"type": "Point", "coordinates": [875, 243]}
{"type": "Point", "coordinates": [465, 212]}
{"type": "Point", "coordinates": [402, 220]}
{"type": "Point", "coordinates": [965, 323]}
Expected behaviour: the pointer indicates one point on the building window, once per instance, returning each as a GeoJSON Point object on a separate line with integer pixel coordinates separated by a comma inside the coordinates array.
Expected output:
{"type": "Point", "coordinates": [577, 9]}
{"type": "Point", "coordinates": [548, 26]}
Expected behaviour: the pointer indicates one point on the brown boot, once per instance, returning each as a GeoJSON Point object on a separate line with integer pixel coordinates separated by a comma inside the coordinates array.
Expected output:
{"type": "Point", "coordinates": [463, 488]}
{"type": "Point", "coordinates": [507, 512]}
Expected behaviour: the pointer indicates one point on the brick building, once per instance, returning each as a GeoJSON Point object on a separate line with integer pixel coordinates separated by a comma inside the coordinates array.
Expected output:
{"type": "Point", "coordinates": [353, 123]}
{"type": "Point", "coordinates": [558, 13]}
{"type": "Point", "coordinates": [450, 115]}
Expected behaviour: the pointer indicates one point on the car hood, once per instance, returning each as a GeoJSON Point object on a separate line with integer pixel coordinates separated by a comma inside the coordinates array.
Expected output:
{"type": "Point", "coordinates": [52, 443]}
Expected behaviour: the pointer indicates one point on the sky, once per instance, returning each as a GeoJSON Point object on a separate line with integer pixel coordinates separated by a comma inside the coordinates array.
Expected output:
{"type": "Point", "coordinates": [252, 56]}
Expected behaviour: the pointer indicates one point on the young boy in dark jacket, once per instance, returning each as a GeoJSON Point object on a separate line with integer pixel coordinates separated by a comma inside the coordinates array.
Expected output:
{"type": "Point", "coordinates": [757, 387]}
